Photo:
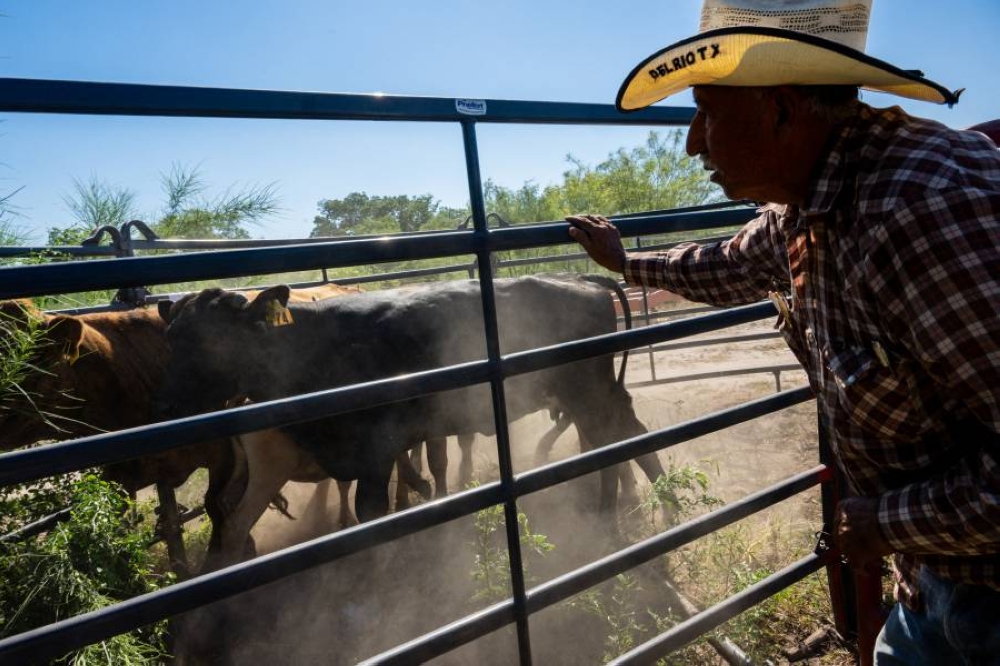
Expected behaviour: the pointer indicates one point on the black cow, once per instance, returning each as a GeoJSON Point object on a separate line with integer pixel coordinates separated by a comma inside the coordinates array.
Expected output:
{"type": "Point", "coordinates": [223, 345]}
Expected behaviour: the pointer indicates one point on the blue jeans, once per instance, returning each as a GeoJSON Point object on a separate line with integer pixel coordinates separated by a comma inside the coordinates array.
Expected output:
{"type": "Point", "coordinates": [959, 624]}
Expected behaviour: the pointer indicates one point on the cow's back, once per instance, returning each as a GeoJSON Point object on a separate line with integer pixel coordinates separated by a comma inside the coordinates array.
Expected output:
{"type": "Point", "coordinates": [373, 335]}
{"type": "Point", "coordinates": [121, 366]}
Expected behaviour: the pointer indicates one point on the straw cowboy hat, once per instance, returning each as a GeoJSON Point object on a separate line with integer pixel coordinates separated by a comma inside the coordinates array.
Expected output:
{"type": "Point", "coordinates": [773, 43]}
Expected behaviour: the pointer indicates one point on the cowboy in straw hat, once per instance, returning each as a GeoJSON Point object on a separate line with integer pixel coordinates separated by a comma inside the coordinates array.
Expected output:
{"type": "Point", "coordinates": [879, 244]}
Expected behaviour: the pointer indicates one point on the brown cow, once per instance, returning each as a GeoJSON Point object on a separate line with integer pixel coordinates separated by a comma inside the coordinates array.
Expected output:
{"type": "Point", "coordinates": [97, 372]}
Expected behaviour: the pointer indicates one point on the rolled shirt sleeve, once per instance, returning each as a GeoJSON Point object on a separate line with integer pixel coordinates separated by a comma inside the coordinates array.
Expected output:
{"type": "Point", "coordinates": [737, 271]}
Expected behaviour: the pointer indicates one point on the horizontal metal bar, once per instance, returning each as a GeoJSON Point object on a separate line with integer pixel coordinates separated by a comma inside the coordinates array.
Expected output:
{"type": "Point", "coordinates": [707, 342]}
{"type": "Point", "coordinates": [787, 367]}
{"type": "Point", "coordinates": [461, 632]}
{"type": "Point", "coordinates": [530, 361]}
{"type": "Point", "coordinates": [673, 314]}
{"type": "Point", "coordinates": [204, 244]}
{"type": "Point", "coordinates": [77, 276]}
{"type": "Point", "coordinates": [51, 641]}
{"type": "Point", "coordinates": [447, 638]}
{"type": "Point", "coordinates": [10, 251]}
{"type": "Point", "coordinates": [690, 629]}
{"type": "Point", "coordinates": [611, 454]}
{"type": "Point", "coordinates": [105, 448]}
{"type": "Point", "coordinates": [528, 236]}
{"type": "Point", "coordinates": [85, 97]}
{"type": "Point", "coordinates": [405, 275]}
{"type": "Point", "coordinates": [37, 527]}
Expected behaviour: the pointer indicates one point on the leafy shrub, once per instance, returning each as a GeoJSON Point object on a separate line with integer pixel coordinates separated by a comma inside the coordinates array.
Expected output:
{"type": "Point", "coordinates": [92, 560]}
{"type": "Point", "coordinates": [491, 568]}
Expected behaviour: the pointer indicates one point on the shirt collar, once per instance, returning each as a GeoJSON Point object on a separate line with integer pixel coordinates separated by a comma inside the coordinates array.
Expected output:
{"type": "Point", "coordinates": [827, 183]}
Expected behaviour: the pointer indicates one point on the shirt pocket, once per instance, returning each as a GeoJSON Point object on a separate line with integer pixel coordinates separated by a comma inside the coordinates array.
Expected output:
{"type": "Point", "coordinates": [877, 399]}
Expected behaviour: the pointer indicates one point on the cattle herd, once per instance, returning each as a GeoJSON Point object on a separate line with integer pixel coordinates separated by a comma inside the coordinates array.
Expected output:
{"type": "Point", "coordinates": [207, 351]}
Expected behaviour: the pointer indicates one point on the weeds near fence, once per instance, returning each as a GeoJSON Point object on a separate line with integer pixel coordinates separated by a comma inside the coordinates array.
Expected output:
{"type": "Point", "coordinates": [96, 558]}
{"type": "Point", "coordinates": [491, 566]}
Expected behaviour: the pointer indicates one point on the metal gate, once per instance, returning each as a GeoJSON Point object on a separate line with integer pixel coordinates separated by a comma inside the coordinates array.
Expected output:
{"type": "Point", "coordinates": [41, 96]}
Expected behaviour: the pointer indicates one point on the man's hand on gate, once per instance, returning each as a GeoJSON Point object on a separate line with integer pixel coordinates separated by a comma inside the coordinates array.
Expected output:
{"type": "Point", "coordinates": [600, 239]}
{"type": "Point", "coordinates": [857, 532]}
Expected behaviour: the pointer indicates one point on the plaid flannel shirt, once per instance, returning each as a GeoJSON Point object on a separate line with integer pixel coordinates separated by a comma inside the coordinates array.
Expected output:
{"type": "Point", "coordinates": [891, 276]}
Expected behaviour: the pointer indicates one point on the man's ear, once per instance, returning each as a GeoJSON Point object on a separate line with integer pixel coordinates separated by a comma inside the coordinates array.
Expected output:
{"type": "Point", "coordinates": [270, 306]}
{"type": "Point", "coordinates": [789, 105]}
{"type": "Point", "coordinates": [783, 99]}
{"type": "Point", "coordinates": [66, 334]}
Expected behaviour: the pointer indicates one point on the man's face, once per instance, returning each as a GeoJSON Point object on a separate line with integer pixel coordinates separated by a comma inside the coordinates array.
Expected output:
{"type": "Point", "coordinates": [734, 133]}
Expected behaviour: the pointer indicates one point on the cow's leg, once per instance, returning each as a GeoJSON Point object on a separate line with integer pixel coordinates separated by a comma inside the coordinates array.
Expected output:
{"type": "Point", "coordinates": [372, 497]}
{"type": "Point", "coordinates": [316, 513]}
{"type": "Point", "coordinates": [548, 440]}
{"type": "Point", "coordinates": [417, 457]}
{"type": "Point", "coordinates": [402, 488]}
{"type": "Point", "coordinates": [170, 528]}
{"type": "Point", "coordinates": [227, 481]}
{"type": "Point", "coordinates": [608, 495]}
{"type": "Point", "coordinates": [631, 426]}
{"type": "Point", "coordinates": [269, 466]}
{"type": "Point", "coordinates": [465, 443]}
{"type": "Point", "coordinates": [345, 518]}
{"type": "Point", "coordinates": [220, 472]}
{"type": "Point", "coordinates": [603, 416]}
{"type": "Point", "coordinates": [437, 461]}
{"type": "Point", "coordinates": [407, 477]}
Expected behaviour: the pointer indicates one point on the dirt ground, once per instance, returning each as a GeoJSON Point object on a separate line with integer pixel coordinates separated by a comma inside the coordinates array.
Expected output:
{"type": "Point", "coordinates": [354, 608]}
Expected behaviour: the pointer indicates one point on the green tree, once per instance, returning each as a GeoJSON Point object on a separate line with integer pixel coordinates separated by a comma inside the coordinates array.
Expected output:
{"type": "Point", "coordinates": [97, 203]}
{"type": "Point", "coordinates": [189, 215]}
{"type": "Point", "coordinates": [73, 235]}
{"type": "Point", "coordinates": [186, 214]}
{"type": "Point", "coordinates": [655, 176]}
{"type": "Point", "coordinates": [529, 203]}
{"type": "Point", "coordinates": [359, 214]}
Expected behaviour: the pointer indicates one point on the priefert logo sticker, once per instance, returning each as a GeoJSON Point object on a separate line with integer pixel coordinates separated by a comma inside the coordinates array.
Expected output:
{"type": "Point", "coordinates": [471, 107]}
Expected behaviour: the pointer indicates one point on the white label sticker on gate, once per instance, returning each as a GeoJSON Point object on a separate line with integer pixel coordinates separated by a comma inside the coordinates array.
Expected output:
{"type": "Point", "coordinates": [471, 107]}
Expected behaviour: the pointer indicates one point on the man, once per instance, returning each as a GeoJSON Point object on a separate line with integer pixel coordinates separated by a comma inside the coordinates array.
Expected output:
{"type": "Point", "coordinates": [880, 246]}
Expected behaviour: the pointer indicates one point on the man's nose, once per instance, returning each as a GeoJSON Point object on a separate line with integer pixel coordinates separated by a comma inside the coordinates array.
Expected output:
{"type": "Point", "coordinates": [695, 144]}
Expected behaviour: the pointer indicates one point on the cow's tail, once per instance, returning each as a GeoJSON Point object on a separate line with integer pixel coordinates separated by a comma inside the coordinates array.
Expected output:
{"type": "Point", "coordinates": [612, 285]}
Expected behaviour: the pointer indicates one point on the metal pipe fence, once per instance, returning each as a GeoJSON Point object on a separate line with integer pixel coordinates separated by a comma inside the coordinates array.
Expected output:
{"type": "Point", "coordinates": [481, 242]}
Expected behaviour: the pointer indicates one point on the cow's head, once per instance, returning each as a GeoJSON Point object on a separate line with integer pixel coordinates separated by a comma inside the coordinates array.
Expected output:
{"type": "Point", "coordinates": [37, 353]}
{"type": "Point", "coordinates": [218, 347]}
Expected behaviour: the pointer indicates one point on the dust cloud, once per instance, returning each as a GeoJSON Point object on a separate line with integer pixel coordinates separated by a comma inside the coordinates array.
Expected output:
{"type": "Point", "coordinates": [361, 605]}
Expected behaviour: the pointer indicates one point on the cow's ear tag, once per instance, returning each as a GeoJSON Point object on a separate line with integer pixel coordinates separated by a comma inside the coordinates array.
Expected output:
{"type": "Point", "coordinates": [278, 314]}
{"type": "Point", "coordinates": [71, 353]}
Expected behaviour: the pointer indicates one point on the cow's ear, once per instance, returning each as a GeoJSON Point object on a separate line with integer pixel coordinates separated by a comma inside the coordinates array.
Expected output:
{"type": "Point", "coordinates": [163, 307]}
{"type": "Point", "coordinates": [66, 333]}
{"type": "Point", "coordinates": [169, 310]}
{"type": "Point", "coordinates": [270, 306]}
{"type": "Point", "coordinates": [20, 313]}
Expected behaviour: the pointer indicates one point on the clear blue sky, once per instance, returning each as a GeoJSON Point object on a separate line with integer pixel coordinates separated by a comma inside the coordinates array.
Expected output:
{"type": "Point", "coordinates": [519, 49]}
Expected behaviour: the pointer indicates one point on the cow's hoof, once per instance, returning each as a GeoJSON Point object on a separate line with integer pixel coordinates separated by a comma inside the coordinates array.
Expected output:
{"type": "Point", "coordinates": [424, 489]}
